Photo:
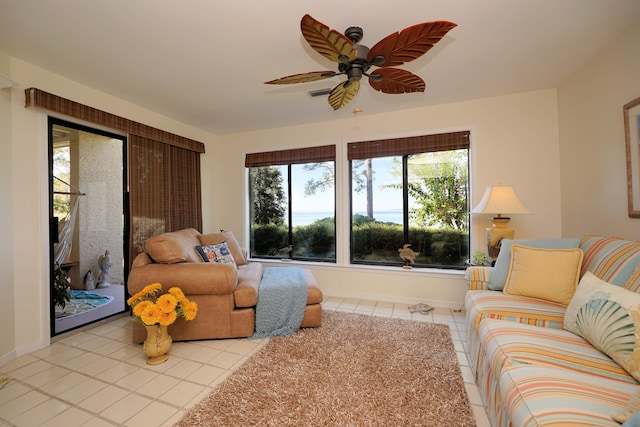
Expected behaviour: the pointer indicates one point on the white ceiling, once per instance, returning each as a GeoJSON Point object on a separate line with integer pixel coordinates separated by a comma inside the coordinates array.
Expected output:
{"type": "Point", "coordinates": [203, 62]}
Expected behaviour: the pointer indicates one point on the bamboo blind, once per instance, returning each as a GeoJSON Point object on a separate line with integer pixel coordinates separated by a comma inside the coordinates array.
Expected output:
{"type": "Point", "coordinates": [409, 145]}
{"type": "Point", "coordinates": [319, 154]}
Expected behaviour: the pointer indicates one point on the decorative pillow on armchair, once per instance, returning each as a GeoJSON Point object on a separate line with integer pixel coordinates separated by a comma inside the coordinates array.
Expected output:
{"type": "Point", "coordinates": [216, 253]}
{"type": "Point", "coordinates": [608, 317]}
{"type": "Point", "coordinates": [548, 274]}
{"type": "Point", "coordinates": [232, 243]}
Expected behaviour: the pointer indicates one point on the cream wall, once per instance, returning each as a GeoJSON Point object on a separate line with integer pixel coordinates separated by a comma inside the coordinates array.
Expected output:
{"type": "Point", "coordinates": [25, 170]}
{"type": "Point", "coordinates": [594, 180]}
{"type": "Point", "coordinates": [7, 309]}
{"type": "Point", "coordinates": [514, 141]}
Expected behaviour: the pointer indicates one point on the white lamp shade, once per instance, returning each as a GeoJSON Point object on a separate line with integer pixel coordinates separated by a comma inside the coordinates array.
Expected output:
{"type": "Point", "coordinates": [500, 199]}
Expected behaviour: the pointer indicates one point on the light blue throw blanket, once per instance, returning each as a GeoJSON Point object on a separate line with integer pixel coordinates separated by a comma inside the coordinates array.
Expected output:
{"type": "Point", "coordinates": [282, 300]}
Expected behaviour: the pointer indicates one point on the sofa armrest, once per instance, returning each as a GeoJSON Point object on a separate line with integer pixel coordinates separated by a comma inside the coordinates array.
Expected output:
{"type": "Point", "coordinates": [192, 278]}
{"type": "Point", "coordinates": [478, 277]}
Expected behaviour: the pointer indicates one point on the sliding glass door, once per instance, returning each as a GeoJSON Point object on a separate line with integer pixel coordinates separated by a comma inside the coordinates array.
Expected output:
{"type": "Point", "coordinates": [89, 225]}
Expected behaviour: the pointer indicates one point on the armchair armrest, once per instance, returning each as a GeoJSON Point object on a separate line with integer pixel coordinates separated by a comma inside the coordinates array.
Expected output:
{"type": "Point", "coordinates": [478, 277]}
{"type": "Point", "coordinates": [192, 278]}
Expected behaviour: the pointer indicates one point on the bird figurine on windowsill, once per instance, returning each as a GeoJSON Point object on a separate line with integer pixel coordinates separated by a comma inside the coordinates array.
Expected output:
{"type": "Point", "coordinates": [287, 252]}
{"type": "Point", "coordinates": [407, 255]}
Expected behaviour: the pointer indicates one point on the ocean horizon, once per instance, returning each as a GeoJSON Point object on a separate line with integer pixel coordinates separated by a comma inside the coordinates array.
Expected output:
{"type": "Point", "coordinates": [306, 218]}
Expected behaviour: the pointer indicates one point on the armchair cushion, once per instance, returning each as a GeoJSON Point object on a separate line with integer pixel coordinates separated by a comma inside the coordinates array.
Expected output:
{"type": "Point", "coordinates": [174, 247]}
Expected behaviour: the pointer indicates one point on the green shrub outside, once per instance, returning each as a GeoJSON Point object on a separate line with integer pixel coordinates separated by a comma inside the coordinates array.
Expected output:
{"type": "Point", "coordinates": [316, 240]}
{"type": "Point", "coordinates": [371, 241]}
{"type": "Point", "coordinates": [266, 240]}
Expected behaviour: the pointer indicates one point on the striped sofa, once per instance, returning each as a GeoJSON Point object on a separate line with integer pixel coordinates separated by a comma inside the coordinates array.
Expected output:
{"type": "Point", "coordinates": [532, 372]}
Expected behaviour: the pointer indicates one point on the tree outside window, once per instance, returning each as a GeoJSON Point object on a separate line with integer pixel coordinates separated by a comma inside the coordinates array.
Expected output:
{"type": "Point", "coordinates": [417, 197]}
{"type": "Point", "coordinates": [292, 204]}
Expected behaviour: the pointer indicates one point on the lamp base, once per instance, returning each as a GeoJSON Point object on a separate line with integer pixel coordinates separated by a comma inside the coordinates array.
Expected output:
{"type": "Point", "coordinates": [495, 234]}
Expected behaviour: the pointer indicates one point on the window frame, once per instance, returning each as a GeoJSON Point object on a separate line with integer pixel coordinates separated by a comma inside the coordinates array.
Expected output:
{"type": "Point", "coordinates": [288, 158]}
{"type": "Point", "coordinates": [405, 147]}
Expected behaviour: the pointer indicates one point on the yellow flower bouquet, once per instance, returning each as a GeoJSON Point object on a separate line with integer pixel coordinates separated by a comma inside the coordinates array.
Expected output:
{"type": "Point", "coordinates": [151, 307]}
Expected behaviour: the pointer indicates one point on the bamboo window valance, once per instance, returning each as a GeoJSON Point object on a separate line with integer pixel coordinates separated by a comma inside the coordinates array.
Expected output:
{"type": "Point", "coordinates": [39, 98]}
{"type": "Point", "coordinates": [409, 145]}
{"type": "Point", "coordinates": [325, 153]}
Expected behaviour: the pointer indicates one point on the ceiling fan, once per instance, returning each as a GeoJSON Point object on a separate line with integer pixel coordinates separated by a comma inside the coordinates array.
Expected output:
{"type": "Point", "coordinates": [354, 60]}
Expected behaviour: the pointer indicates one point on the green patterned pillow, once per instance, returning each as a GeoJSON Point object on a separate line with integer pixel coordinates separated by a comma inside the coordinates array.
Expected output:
{"type": "Point", "coordinates": [607, 316]}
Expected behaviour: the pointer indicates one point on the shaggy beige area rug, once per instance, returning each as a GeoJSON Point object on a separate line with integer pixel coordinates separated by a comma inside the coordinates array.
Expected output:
{"type": "Point", "coordinates": [355, 370]}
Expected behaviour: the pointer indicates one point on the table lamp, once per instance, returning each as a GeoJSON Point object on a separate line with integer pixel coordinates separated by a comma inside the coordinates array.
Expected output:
{"type": "Point", "coordinates": [499, 200]}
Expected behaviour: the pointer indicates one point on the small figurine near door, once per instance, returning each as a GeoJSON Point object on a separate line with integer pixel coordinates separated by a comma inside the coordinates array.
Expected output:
{"type": "Point", "coordinates": [89, 282]}
{"type": "Point", "coordinates": [104, 262]}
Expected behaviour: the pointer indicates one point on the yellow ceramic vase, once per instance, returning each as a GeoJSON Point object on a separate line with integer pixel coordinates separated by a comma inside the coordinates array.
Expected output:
{"type": "Point", "coordinates": [157, 344]}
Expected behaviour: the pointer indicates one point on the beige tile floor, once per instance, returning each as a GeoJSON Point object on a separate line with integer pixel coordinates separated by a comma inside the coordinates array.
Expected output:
{"type": "Point", "coordinates": [96, 377]}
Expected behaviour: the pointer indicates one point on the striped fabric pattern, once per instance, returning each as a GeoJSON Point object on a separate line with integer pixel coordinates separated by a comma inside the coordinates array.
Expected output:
{"type": "Point", "coordinates": [549, 396]}
{"type": "Point", "coordinates": [497, 305]}
{"type": "Point", "coordinates": [611, 259]}
{"type": "Point", "coordinates": [505, 344]}
{"type": "Point", "coordinates": [490, 392]}
{"type": "Point", "coordinates": [487, 380]}
{"type": "Point", "coordinates": [508, 343]}
{"type": "Point", "coordinates": [516, 308]}
{"type": "Point", "coordinates": [633, 284]}
{"type": "Point", "coordinates": [478, 277]}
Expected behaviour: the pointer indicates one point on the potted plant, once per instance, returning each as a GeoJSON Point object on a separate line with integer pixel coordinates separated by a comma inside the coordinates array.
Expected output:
{"type": "Point", "coordinates": [61, 294]}
{"type": "Point", "coordinates": [480, 257]}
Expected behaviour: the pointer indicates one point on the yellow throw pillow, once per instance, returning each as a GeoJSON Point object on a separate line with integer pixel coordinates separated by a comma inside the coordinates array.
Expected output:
{"type": "Point", "coordinates": [547, 274]}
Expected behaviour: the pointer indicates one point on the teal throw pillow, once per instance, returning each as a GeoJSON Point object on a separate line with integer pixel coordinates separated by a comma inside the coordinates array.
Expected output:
{"type": "Point", "coordinates": [501, 268]}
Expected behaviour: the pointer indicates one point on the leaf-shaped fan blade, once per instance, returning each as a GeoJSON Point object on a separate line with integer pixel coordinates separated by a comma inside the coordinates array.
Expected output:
{"type": "Point", "coordinates": [395, 80]}
{"type": "Point", "coordinates": [409, 44]}
{"type": "Point", "coordinates": [302, 78]}
{"type": "Point", "coordinates": [342, 94]}
{"type": "Point", "coordinates": [326, 41]}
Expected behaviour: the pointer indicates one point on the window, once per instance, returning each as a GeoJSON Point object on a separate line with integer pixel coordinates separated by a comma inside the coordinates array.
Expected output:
{"type": "Point", "coordinates": [292, 204]}
{"type": "Point", "coordinates": [410, 191]}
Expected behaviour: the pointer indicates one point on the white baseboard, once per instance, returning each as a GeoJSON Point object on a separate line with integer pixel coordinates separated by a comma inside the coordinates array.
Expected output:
{"type": "Point", "coordinates": [6, 358]}
{"type": "Point", "coordinates": [21, 351]}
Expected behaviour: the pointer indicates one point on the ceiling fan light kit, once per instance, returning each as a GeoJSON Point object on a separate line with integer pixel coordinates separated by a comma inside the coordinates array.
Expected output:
{"type": "Point", "coordinates": [355, 60]}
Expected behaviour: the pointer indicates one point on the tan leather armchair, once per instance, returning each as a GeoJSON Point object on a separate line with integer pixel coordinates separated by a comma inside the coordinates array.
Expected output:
{"type": "Point", "coordinates": [226, 294]}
